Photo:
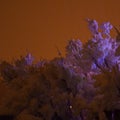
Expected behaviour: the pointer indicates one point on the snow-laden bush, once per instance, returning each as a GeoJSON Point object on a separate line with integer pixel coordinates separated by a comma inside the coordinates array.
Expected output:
{"type": "Point", "coordinates": [83, 85]}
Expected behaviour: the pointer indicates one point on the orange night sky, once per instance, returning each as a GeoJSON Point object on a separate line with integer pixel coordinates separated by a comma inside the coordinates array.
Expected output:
{"type": "Point", "coordinates": [37, 26]}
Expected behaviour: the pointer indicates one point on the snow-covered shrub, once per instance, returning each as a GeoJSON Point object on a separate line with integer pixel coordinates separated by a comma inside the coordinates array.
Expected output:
{"type": "Point", "coordinates": [83, 85]}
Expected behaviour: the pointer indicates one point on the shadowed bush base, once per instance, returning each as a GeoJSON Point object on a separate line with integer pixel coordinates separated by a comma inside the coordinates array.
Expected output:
{"type": "Point", "coordinates": [113, 115]}
{"type": "Point", "coordinates": [6, 117]}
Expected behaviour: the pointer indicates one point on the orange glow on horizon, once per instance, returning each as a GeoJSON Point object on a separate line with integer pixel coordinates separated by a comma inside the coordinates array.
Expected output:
{"type": "Point", "coordinates": [39, 26]}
